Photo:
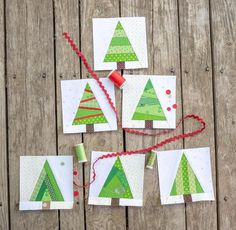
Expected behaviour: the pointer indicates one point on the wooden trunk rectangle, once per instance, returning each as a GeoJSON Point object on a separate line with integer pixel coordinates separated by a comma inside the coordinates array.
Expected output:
{"type": "Point", "coordinates": [149, 124]}
{"type": "Point", "coordinates": [188, 199]}
{"type": "Point", "coordinates": [90, 128]}
{"type": "Point", "coordinates": [120, 65]}
{"type": "Point", "coordinates": [115, 202]}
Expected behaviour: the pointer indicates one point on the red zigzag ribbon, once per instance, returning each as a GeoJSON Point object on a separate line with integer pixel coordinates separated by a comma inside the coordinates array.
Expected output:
{"type": "Point", "coordinates": [134, 131]}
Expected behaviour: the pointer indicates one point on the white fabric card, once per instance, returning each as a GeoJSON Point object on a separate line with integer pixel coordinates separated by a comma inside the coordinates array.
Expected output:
{"type": "Point", "coordinates": [185, 175]}
{"type": "Point", "coordinates": [46, 182]}
{"type": "Point", "coordinates": [119, 41]}
{"type": "Point", "coordinates": [85, 106]}
{"type": "Point", "coordinates": [119, 180]}
{"type": "Point", "coordinates": [149, 101]}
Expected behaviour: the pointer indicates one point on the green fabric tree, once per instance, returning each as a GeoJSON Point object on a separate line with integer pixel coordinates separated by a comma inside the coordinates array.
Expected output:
{"type": "Point", "coordinates": [89, 111]}
{"type": "Point", "coordinates": [116, 184]}
{"type": "Point", "coordinates": [186, 182]}
{"type": "Point", "coordinates": [120, 49]}
{"type": "Point", "coordinates": [46, 188]}
{"type": "Point", "coordinates": [149, 107]}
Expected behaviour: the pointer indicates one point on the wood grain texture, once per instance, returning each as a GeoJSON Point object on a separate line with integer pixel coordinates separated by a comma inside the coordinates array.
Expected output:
{"type": "Point", "coordinates": [100, 217]}
{"type": "Point", "coordinates": [31, 98]}
{"type": "Point", "coordinates": [197, 94]}
{"type": "Point", "coordinates": [68, 68]}
{"type": "Point", "coordinates": [167, 62]}
{"type": "Point", "coordinates": [3, 131]}
{"type": "Point", "coordinates": [185, 37]}
{"type": "Point", "coordinates": [163, 55]}
{"type": "Point", "coordinates": [224, 52]}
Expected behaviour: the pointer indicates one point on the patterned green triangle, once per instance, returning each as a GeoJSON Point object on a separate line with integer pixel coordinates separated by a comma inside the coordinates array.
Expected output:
{"type": "Point", "coordinates": [46, 196]}
{"type": "Point", "coordinates": [149, 107]}
{"type": "Point", "coordinates": [120, 48]}
{"type": "Point", "coordinates": [186, 182]}
{"type": "Point", "coordinates": [116, 184]}
{"type": "Point", "coordinates": [46, 188]}
{"type": "Point", "coordinates": [89, 111]}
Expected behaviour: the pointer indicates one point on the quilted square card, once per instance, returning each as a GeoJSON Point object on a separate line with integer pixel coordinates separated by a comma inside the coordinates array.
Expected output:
{"type": "Point", "coordinates": [119, 180]}
{"type": "Point", "coordinates": [46, 182]}
{"type": "Point", "coordinates": [149, 101]}
{"type": "Point", "coordinates": [185, 175]}
{"type": "Point", "coordinates": [119, 43]}
{"type": "Point", "coordinates": [85, 107]}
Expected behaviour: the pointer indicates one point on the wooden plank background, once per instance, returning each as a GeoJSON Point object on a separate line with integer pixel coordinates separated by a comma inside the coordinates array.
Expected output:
{"type": "Point", "coordinates": [192, 39]}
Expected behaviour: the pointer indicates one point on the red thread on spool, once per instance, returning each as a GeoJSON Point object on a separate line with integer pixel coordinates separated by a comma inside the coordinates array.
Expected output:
{"type": "Point", "coordinates": [116, 78]}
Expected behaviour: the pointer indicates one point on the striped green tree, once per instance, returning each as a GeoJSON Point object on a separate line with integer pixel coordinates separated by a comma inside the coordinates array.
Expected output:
{"type": "Point", "coordinates": [120, 49]}
{"type": "Point", "coordinates": [149, 107]}
{"type": "Point", "coordinates": [46, 188]}
{"type": "Point", "coordinates": [186, 182]}
{"type": "Point", "coordinates": [116, 185]}
{"type": "Point", "coordinates": [89, 111]}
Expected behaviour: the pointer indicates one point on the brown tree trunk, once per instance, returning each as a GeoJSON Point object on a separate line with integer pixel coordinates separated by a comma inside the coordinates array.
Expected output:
{"type": "Point", "coordinates": [46, 205]}
{"type": "Point", "coordinates": [89, 128]}
{"type": "Point", "coordinates": [120, 65]}
{"type": "Point", "coordinates": [187, 198]}
{"type": "Point", "coordinates": [149, 124]}
{"type": "Point", "coordinates": [115, 201]}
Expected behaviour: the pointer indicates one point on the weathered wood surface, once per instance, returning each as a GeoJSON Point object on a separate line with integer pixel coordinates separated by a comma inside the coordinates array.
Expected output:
{"type": "Point", "coordinates": [194, 40]}
{"type": "Point", "coordinates": [195, 50]}
{"type": "Point", "coordinates": [4, 223]}
{"type": "Point", "coordinates": [31, 98]}
{"type": "Point", "coordinates": [163, 56]}
{"type": "Point", "coordinates": [97, 217]}
{"type": "Point", "coordinates": [223, 21]}
{"type": "Point", "coordinates": [67, 67]}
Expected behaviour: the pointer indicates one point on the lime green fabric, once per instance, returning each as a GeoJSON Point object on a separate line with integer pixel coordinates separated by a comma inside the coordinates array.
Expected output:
{"type": "Point", "coordinates": [186, 182]}
{"type": "Point", "coordinates": [116, 184]}
{"type": "Point", "coordinates": [149, 107]}
{"type": "Point", "coordinates": [89, 111]}
{"type": "Point", "coordinates": [46, 188]}
{"type": "Point", "coordinates": [120, 48]}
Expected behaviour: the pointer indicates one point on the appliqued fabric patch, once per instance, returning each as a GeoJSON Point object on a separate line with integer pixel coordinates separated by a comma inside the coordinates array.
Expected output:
{"type": "Point", "coordinates": [46, 182]}
{"type": "Point", "coordinates": [89, 111]}
{"type": "Point", "coordinates": [185, 182]}
{"type": "Point", "coordinates": [116, 184]}
{"type": "Point", "coordinates": [185, 175]}
{"type": "Point", "coordinates": [149, 107]}
{"type": "Point", "coordinates": [119, 181]}
{"type": "Point", "coordinates": [119, 43]}
{"type": "Point", "coordinates": [85, 107]}
{"type": "Point", "coordinates": [149, 101]}
{"type": "Point", "coordinates": [46, 188]}
{"type": "Point", "coordinates": [120, 48]}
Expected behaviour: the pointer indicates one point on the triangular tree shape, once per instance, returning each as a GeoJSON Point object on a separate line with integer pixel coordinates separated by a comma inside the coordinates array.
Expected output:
{"type": "Point", "coordinates": [149, 107]}
{"type": "Point", "coordinates": [116, 184]}
{"type": "Point", "coordinates": [46, 188]}
{"type": "Point", "coordinates": [186, 182]}
{"type": "Point", "coordinates": [120, 49]}
{"type": "Point", "coordinates": [89, 111]}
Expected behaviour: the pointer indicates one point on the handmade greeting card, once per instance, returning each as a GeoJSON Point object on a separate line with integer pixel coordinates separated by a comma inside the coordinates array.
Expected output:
{"type": "Point", "coordinates": [85, 107]}
{"type": "Point", "coordinates": [185, 175]}
{"type": "Point", "coordinates": [119, 43]}
{"type": "Point", "coordinates": [149, 101]}
{"type": "Point", "coordinates": [119, 180]}
{"type": "Point", "coordinates": [46, 182]}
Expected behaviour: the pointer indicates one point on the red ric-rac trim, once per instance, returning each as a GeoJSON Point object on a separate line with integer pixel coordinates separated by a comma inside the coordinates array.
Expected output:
{"type": "Point", "coordinates": [89, 99]}
{"type": "Point", "coordinates": [134, 131]}
{"type": "Point", "coordinates": [90, 108]}
{"type": "Point", "coordinates": [94, 115]}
